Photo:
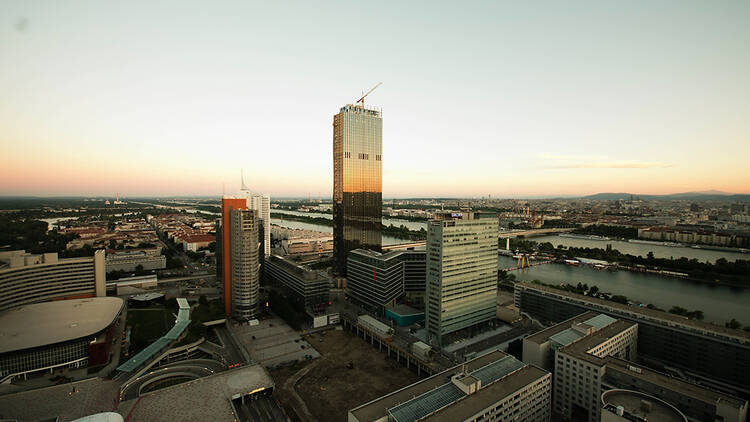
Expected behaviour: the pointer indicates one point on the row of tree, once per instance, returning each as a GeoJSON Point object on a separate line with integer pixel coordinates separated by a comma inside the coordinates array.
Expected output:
{"type": "Point", "coordinates": [609, 231]}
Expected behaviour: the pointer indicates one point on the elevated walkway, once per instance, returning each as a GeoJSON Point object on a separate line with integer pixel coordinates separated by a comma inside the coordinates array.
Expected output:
{"type": "Point", "coordinates": [182, 322]}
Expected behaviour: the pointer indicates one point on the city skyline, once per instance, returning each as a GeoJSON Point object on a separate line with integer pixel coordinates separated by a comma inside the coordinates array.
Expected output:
{"type": "Point", "coordinates": [654, 103]}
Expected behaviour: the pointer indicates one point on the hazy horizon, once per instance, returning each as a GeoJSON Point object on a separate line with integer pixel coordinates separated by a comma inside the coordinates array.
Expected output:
{"type": "Point", "coordinates": [482, 98]}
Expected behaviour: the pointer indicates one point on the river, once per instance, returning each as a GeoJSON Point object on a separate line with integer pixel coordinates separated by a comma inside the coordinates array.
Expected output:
{"type": "Point", "coordinates": [718, 303]}
{"type": "Point", "coordinates": [293, 224]}
{"type": "Point", "coordinates": [411, 225]}
{"type": "Point", "coordinates": [659, 251]}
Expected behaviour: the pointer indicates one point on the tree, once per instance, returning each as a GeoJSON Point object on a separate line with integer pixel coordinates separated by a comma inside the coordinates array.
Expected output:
{"type": "Point", "coordinates": [619, 299]}
{"type": "Point", "coordinates": [733, 324]}
{"type": "Point", "coordinates": [593, 290]}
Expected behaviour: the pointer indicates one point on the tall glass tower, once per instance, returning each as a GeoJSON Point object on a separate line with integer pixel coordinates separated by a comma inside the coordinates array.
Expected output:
{"type": "Point", "coordinates": [461, 287]}
{"type": "Point", "coordinates": [357, 181]}
{"type": "Point", "coordinates": [245, 263]}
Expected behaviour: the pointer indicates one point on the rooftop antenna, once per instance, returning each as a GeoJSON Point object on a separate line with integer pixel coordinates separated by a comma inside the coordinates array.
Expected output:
{"type": "Point", "coordinates": [362, 99]}
{"type": "Point", "coordinates": [243, 186]}
{"type": "Point", "coordinates": [223, 189]}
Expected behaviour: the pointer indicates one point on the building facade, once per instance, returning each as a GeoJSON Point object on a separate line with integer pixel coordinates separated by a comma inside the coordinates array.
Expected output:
{"type": "Point", "coordinates": [357, 182]}
{"type": "Point", "coordinates": [593, 354]}
{"type": "Point", "coordinates": [492, 387]}
{"type": "Point", "coordinates": [578, 371]}
{"type": "Point", "coordinates": [244, 263]}
{"type": "Point", "coordinates": [224, 255]}
{"type": "Point", "coordinates": [27, 278]}
{"type": "Point", "coordinates": [129, 260]}
{"type": "Point", "coordinates": [59, 334]}
{"type": "Point", "coordinates": [310, 287]}
{"type": "Point", "coordinates": [712, 353]}
{"type": "Point", "coordinates": [262, 206]}
{"type": "Point", "coordinates": [461, 288]}
{"type": "Point", "coordinates": [375, 280]}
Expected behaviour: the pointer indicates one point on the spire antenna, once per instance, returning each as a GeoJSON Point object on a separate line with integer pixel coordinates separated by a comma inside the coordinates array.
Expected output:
{"type": "Point", "coordinates": [243, 186]}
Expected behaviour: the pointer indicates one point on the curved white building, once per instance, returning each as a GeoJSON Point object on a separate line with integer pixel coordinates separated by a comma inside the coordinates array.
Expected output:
{"type": "Point", "coordinates": [27, 278]}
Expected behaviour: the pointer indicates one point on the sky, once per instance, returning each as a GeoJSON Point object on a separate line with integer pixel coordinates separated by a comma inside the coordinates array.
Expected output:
{"type": "Point", "coordinates": [509, 99]}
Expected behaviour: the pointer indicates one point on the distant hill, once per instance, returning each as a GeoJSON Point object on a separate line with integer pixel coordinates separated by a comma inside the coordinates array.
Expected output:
{"type": "Point", "coordinates": [712, 195]}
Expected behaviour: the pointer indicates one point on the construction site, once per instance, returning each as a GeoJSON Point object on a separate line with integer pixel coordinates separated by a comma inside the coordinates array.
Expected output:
{"type": "Point", "coordinates": [348, 373]}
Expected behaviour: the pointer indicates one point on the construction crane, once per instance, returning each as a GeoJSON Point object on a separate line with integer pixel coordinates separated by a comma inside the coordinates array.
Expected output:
{"type": "Point", "coordinates": [362, 100]}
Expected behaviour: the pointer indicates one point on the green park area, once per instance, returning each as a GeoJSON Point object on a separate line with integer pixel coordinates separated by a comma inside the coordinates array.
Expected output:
{"type": "Point", "coordinates": [147, 325]}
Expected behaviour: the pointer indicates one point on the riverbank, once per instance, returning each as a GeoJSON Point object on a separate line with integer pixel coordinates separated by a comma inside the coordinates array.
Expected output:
{"type": "Point", "coordinates": [735, 273]}
{"type": "Point", "coordinates": [399, 232]}
{"type": "Point", "coordinates": [720, 303]}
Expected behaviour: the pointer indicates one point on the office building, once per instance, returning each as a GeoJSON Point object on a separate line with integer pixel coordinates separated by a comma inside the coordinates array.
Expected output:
{"type": "Point", "coordinates": [261, 204]}
{"type": "Point", "coordinates": [594, 357]}
{"type": "Point", "coordinates": [696, 402]}
{"type": "Point", "coordinates": [461, 289]}
{"type": "Point", "coordinates": [27, 278]}
{"type": "Point", "coordinates": [244, 261]}
{"type": "Point", "coordinates": [357, 182]}
{"type": "Point", "coordinates": [714, 354]}
{"type": "Point", "coordinates": [129, 260]}
{"type": "Point", "coordinates": [492, 387]}
{"type": "Point", "coordinates": [578, 371]}
{"type": "Point", "coordinates": [223, 258]}
{"type": "Point", "coordinates": [375, 280]}
{"type": "Point", "coordinates": [75, 333]}
{"type": "Point", "coordinates": [309, 287]}
{"type": "Point", "coordinates": [628, 406]}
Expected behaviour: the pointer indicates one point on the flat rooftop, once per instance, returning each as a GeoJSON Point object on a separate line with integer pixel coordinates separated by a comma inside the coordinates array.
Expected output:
{"type": "Point", "coordinates": [543, 336]}
{"type": "Point", "coordinates": [67, 401]}
{"type": "Point", "coordinates": [403, 310]}
{"type": "Point", "coordinates": [433, 398]}
{"type": "Point", "coordinates": [667, 382]}
{"type": "Point", "coordinates": [204, 399]}
{"type": "Point", "coordinates": [487, 396]}
{"type": "Point", "coordinates": [41, 324]}
{"type": "Point", "coordinates": [665, 318]}
{"type": "Point", "coordinates": [580, 348]}
{"type": "Point", "coordinates": [631, 402]}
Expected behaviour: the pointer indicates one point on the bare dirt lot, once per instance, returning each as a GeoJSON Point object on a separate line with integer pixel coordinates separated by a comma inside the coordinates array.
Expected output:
{"type": "Point", "coordinates": [330, 389]}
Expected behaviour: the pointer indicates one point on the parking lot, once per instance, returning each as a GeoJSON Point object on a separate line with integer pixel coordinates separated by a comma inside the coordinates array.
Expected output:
{"type": "Point", "coordinates": [272, 343]}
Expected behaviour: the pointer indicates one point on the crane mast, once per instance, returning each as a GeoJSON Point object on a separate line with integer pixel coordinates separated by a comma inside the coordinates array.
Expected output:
{"type": "Point", "coordinates": [362, 99]}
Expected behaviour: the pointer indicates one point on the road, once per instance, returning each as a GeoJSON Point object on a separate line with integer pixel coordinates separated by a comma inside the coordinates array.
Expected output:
{"type": "Point", "coordinates": [233, 353]}
{"type": "Point", "coordinates": [260, 409]}
{"type": "Point", "coordinates": [192, 368]}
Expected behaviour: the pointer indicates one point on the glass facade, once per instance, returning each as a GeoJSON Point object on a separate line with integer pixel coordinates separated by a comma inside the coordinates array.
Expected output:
{"type": "Point", "coordinates": [357, 181]}
{"type": "Point", "coordinates": [461, 286]}
{"type": "Point", "coordinates": [245, 263]}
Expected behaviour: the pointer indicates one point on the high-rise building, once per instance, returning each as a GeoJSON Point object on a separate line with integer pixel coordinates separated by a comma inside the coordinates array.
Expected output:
{"type": "Point", "coordinates": [228, 204]}
{"type": "Point", "coordinates": [246, 200]}
{"type": "Point", "coordinates": [357, 181]}
{"type": "Point", "coordinates": [262, 206]}
{"type": "Point", "coordinates": [461, 288]}
{"type": "Point", "coordinates": [244, 262]}
{"type": "Point", "coordinates": [375, 280]}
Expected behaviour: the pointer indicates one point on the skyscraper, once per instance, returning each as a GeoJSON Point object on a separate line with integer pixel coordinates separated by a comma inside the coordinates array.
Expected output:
{"type": "Point", "coordinates": [357, 181]}
{"type": "Point", "coordinates": [245, 263]}
{"type": "Point", "coordinates": [461, 288]}
{"type": "Point", "coordinates": [261, 204]}
{"type": "Point", "coordinates": [228, 204]}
